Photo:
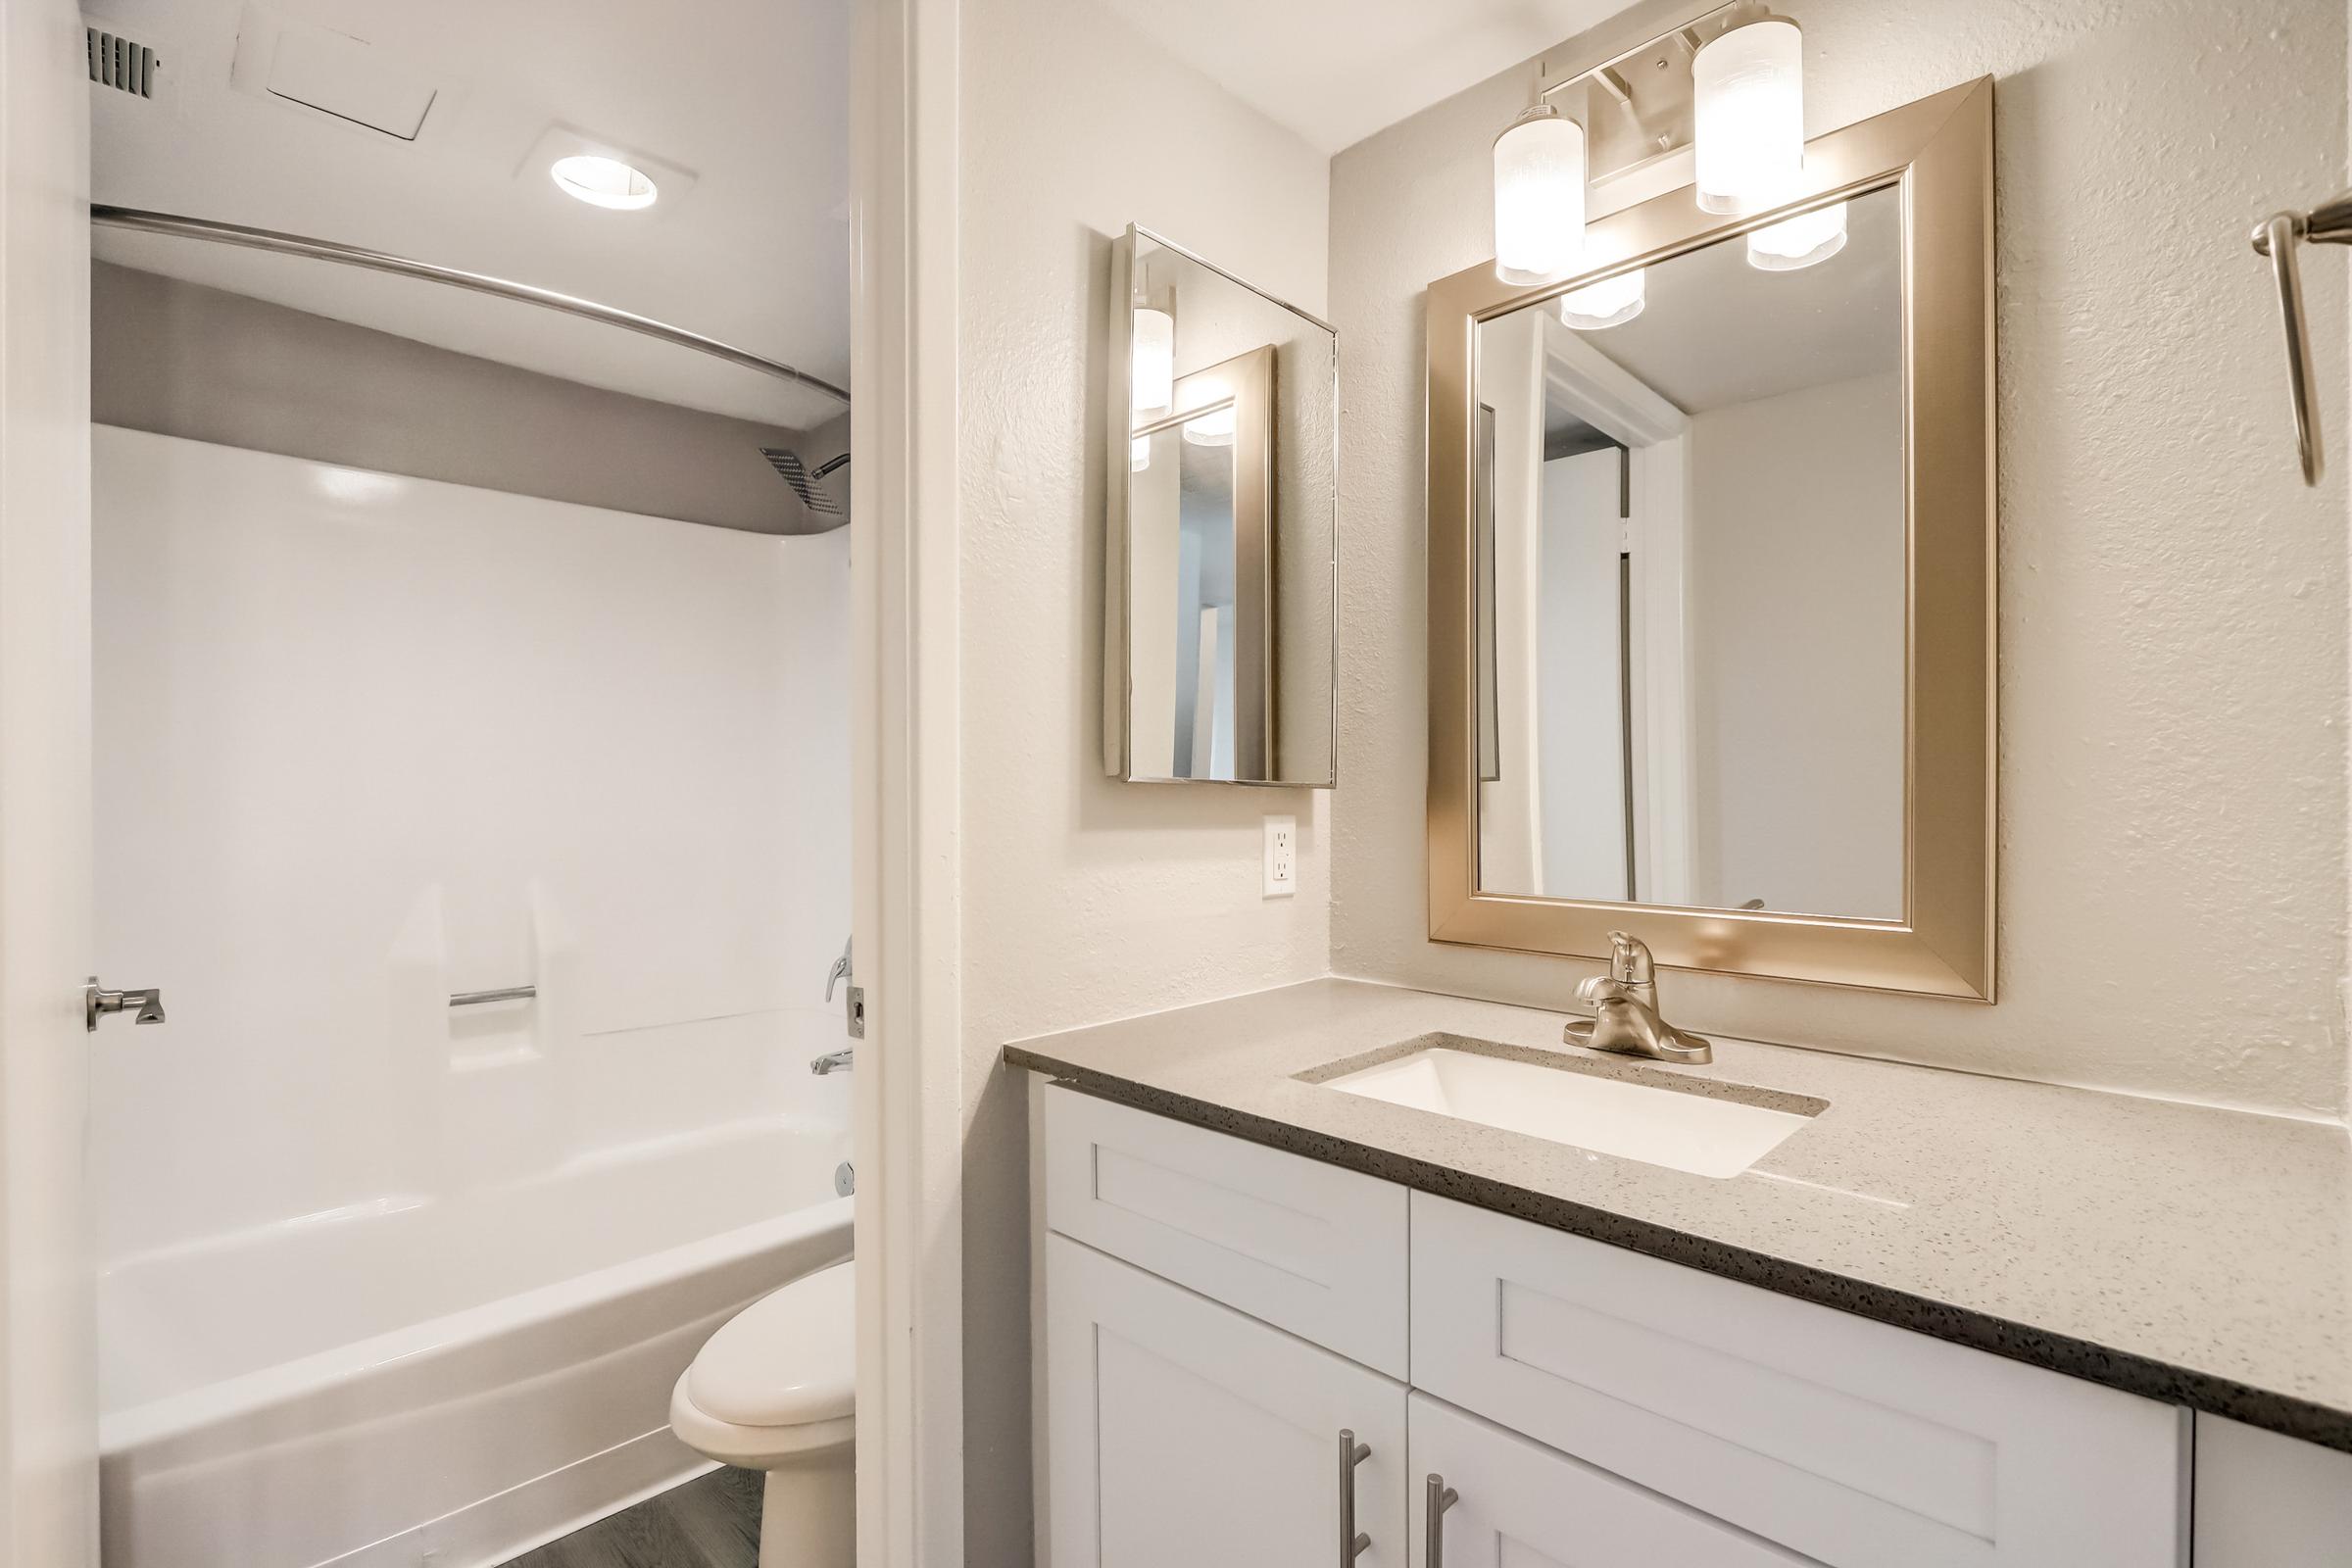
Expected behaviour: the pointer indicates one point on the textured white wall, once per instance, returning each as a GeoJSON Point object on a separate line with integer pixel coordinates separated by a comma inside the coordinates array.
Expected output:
{"type": "Point", "coordinates": [2173, 620]}
{"type": "Point", "coordinates": [1796, 596]}
{"type": "Point", "coordinates": [1084, 899]}
{"type": "Point", "coordinates": [333, 706]}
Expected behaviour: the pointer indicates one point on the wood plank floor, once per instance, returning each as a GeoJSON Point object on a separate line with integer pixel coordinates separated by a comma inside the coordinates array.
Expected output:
{"type": "Point", "coordinates": [711, 1522]}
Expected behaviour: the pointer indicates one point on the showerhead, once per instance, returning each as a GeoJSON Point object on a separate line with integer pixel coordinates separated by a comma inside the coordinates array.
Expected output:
{"type": "Point", "coordinates": [802, 479]}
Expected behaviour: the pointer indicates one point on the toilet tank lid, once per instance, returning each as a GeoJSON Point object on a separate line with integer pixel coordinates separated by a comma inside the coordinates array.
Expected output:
{"type": "Point", "coordinates": [787, 1359]}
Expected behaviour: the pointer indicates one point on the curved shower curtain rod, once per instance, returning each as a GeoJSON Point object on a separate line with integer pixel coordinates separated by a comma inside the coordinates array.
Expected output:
{"type": "Point", "coordinates": [283, 244]}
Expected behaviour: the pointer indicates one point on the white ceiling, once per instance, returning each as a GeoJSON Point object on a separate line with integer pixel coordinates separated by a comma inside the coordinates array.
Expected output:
{"type": "Point", "coordinates": [1715, 331]}
{"type": "Point", "coordinates": [1337, 71]}
{"type": "Point", "coordinates": [748, 97]}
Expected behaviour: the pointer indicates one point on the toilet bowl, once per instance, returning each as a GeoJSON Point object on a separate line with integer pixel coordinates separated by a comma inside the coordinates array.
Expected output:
{"type": "Point", "coordinates": [775, 1389]}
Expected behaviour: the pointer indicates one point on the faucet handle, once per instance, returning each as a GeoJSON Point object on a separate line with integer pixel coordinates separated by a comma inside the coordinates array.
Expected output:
{"type": "Point", "coordinates": [1630, 961]}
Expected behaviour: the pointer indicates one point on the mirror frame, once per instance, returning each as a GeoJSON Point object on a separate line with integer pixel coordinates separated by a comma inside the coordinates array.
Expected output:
{"type": "Point", "coordinates": [1936, 153]}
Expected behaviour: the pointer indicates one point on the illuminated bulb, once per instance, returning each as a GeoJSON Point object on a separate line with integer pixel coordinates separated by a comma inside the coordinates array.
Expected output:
{"type": "Point", "coordinates": [1215, 428]}
{"type": "Point", "coordinates": [604, 183]}
{"type": "Point", "coordinates": [1798, 241]}
{"type": "Point", "coordinates": [1538, 197]}
{"type": "Point", "coordinates": [1612, 302]}
{"type": "Point", "coordinates": [1155, 360]}
{"type": "Point", "coordinates": [1212, 429]}
{"type": "Point", "coordinates": [1748, 116]}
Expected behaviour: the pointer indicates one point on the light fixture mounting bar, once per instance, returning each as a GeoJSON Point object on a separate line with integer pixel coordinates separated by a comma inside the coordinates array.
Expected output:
{"type": "Point", "coordinates": [1637, 108]}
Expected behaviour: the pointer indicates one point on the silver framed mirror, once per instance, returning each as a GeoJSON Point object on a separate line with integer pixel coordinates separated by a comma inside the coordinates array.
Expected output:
{"type": "Point", "coordinates": [1220, 609]}
{"type": "Point", "coordinates": [1711, 529]}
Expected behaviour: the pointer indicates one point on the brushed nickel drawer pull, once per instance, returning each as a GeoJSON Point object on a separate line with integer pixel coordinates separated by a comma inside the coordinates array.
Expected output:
{"type": "Point", "coordinates": [1352, 1541]}
{"type": "Point", "coordinates": [1441, 1497]}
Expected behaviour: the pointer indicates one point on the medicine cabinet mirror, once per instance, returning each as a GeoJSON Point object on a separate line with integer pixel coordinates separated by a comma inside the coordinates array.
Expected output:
{"type": "Point", "coordinates": [1712, 581]}
{"type": "Point", "coordinates": [1219, 618]}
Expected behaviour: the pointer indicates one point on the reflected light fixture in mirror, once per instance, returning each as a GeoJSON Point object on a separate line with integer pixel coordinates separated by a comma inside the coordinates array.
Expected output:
{"type": "Point", "coordinates": [1612, 302]}
{"type": "Point", "coordinates": [1748, 114]}
{"type": "Point", "coordinates": [1538, 196]}
{"type": "Point", "coordinates": [1809, 237]}
{"type": "Point", "coordinates": [1155, 360]}
{"type": "Point", "coordinates": [1215, 424]}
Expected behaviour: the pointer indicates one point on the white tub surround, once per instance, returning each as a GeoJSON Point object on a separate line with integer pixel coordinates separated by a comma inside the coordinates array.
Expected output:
{"type": "Point", "coordinates": [380, 1276]}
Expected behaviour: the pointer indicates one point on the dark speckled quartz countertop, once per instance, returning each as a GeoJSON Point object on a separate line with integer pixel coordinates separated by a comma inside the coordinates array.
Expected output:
{"type": "Point", "coordinates": [2190, 1254]}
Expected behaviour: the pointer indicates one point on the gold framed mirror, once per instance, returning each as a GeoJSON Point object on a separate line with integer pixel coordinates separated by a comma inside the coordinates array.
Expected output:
{"type": "Point", "coordinates": [1711, 601]}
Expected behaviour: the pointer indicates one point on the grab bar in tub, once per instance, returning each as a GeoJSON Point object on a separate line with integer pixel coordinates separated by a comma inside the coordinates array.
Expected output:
{"type": "Point", "coordinates": [474, 998]}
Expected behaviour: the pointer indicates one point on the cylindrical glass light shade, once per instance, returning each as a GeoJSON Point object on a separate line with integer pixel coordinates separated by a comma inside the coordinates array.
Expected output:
{"type": "Point", "coordinates": [1798, 241]}
{"type": "Point", "coordinates": [1748, 116]}
{"type": "Point", "coordinates": [1612, 302]}
{"type": "Point", "coordinates": [1538, 197]}
{"type": "Point", "coordinates": [1138, 453]}
{"type": "Point", "coordinates": [1155, 360]}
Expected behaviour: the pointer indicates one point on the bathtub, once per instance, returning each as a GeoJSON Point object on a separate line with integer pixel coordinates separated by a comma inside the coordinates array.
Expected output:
{"type": "Point", "coordinates": [442, 1380]}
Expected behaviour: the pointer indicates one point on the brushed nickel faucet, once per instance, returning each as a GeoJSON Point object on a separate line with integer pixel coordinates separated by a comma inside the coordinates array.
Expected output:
{"type": "Point", "coordinates": [1625, 1010]}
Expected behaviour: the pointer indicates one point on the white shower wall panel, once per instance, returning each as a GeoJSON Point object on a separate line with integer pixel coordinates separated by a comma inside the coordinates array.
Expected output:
{"type": "Point", "coordinates": [365, 740]}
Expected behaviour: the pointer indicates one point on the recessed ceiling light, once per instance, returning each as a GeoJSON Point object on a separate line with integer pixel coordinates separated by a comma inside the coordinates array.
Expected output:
{"type": "Point", "coordinates": [604, 181]}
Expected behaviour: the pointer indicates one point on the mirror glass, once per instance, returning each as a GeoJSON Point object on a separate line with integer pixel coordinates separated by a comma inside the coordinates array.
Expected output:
{"type": "Point", "coordinates": [1227, 472]}
{"type": "Point", "coordinates": [1691, 578]}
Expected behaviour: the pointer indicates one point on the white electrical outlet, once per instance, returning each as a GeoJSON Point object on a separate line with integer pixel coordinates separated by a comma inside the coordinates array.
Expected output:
{"type": "Point", "coordinates": [1282, 857]}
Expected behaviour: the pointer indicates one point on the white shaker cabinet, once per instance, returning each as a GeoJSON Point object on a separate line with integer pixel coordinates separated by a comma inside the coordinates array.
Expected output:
{"type": "Point", "coordinates": [1213, 1313]}
{"type": "Point", "coordinates": [1184, 1435]}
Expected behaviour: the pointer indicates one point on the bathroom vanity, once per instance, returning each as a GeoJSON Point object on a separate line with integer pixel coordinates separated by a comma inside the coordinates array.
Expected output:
{"type": "Point", "coordinates": [1305, 1297]}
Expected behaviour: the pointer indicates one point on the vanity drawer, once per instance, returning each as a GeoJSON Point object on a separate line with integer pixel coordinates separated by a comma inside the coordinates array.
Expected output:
{"type": "Point", "coordinates": [1306, 1246]}
{"type": "Point", "coordinates": [1851, 1442]}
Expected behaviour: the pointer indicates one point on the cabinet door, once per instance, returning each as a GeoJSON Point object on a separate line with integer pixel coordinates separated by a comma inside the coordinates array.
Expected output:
{"type": "Point", "coordinates": [2269, 1501]}
{"type": "Point", "coordinates": [1518, 1504]}
{"type": "Point", "coordinates": [1181, 1434]}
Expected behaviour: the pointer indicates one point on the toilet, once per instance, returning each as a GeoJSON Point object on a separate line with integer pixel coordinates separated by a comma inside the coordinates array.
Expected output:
{"type": "Point", "coordinates": [775, 1389]}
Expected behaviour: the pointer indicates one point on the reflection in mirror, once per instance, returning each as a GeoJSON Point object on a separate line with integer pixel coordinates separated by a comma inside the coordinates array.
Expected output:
{"type": "Point", "coordinates": [1220, 627]}
{"type": "Point", "coordinates": [1691, 579]}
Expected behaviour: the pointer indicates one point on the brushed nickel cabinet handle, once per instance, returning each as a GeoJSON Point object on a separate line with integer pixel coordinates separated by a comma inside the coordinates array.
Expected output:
{"type": "Point", "coordinates": [1352, 1541]}
{"type": "Point", "coordinates": [1441, 1497]}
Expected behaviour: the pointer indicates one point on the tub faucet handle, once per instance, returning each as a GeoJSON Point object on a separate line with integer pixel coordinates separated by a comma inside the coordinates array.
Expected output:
{"type": "Point", "coordinates": [145, 1006]}
{"type": "Point", "coordinates": [841, 969]}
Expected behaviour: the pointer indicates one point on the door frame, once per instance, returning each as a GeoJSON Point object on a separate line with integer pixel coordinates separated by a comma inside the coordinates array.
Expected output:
{"type": "Point", "coordinates": [48, 1360]}
{"type": "Point", "coordinates": [904, 751]}
{"type": "Point", "coordinates": [904, 766]}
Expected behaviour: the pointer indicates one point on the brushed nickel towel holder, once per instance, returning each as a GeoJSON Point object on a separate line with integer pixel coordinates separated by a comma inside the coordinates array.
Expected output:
{"type": "Point", "coordinates": [2276, 236]}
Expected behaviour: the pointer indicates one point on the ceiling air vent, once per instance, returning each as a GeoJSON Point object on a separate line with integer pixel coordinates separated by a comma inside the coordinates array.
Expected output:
{"type": "Point", "coordinates": [119, 63]}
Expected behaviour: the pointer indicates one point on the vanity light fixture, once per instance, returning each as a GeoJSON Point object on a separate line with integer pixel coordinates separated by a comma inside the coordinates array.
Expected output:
{"type": "Point", "coordinates": [602, 181]}
{"type": "Point", "coordinates": [1612, 302]}
{"type": "Point", "coordinates": [1138, 453]}
{"type": "Point", "coordinates": [1748, 112]}
{"type": "Point", "coordinates": [1538, 196]}
{"type": "Point", "coordinates": [1153, 359]}
{"type": "Point", "coordinates": [1798, 241]}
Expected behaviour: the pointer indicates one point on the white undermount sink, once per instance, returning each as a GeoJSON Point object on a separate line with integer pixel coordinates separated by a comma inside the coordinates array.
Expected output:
{"type": "Point", "coordinates": [1700, 1133]}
